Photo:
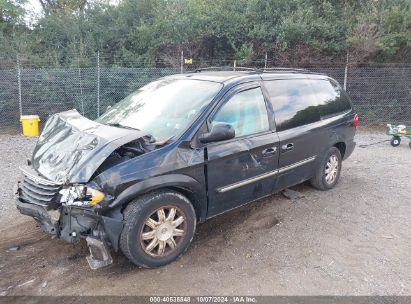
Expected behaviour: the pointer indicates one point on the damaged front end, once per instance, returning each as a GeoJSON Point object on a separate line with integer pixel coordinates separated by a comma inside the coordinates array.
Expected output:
{"type": "Point", "coordinates": [57, 188]}
{"type": "Point", "coordinates": [66, 212]}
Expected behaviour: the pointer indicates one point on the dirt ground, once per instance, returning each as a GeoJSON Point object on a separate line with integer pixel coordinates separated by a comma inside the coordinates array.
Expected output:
{"type": "Point", "coordinates": [352, 240]}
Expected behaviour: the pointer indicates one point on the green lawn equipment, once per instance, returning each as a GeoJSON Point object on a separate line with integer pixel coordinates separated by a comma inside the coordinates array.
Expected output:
{"type": "Point", "coordinates": [397, 132]}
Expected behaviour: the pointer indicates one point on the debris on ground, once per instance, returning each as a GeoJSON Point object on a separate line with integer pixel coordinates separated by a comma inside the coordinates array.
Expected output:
{"type": "Point", "coordinates": [15, 248]}
{"type": "Point", "coordinates": [76, 256]}
{"type": "Point", "coordinates": [292, 194]}
{"type": "Point", "coordinates": [26, 283]}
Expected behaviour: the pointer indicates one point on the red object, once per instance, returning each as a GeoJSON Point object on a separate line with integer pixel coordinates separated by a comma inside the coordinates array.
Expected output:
{"type": "Point", "coordinates": [355, 120]}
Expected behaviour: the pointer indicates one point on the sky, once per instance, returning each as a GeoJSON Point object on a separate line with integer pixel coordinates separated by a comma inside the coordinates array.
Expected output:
{"type": "Point", "coordinates": [34, 5]}
{"type": "Point", "coordinates": [34, 9]}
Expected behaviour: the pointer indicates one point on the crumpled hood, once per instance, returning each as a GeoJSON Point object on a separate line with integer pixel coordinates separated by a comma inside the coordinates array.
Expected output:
{"type": "Point", "coordinates": [72, 147]}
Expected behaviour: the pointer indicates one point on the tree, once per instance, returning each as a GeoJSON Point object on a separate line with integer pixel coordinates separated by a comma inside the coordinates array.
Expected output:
{"type": "Point", "coordinates": [62, 6]}
{"type": "Point", "coordinates": [154, 32]}
{"type": "Point", "coordinates": [12, 26]}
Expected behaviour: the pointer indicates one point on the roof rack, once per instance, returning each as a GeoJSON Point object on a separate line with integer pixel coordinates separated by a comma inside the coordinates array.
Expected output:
{"type": "Point", "coordinates": [285, 69]}
{"type": "Point", "coordinates": [256, 70]}
{"type": "Point", "coordinates": [224, 68]}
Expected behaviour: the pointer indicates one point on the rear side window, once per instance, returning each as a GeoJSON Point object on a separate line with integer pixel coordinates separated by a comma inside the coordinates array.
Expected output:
{"type": "Point", "coordinates": [293, 101]}
{"type": "Point", "coordinates": [245, 112]}
{"type": "Point", "coordinates": [332, 100]}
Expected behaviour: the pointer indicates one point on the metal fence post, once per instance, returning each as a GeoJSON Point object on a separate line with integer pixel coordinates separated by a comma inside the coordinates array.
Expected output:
{"type": "Point", "coordinates": [182, 62]}
{"type": "Point", "coordinates": [19, 84]}
{"type": "Point", "coordinates": [98, 83]}
{"type": "Point", "coordinates": [81, 86]}
{"type": "Point", "coordinates": [346, 73]}
{"type": "Point", "coordinates": [265, 61]}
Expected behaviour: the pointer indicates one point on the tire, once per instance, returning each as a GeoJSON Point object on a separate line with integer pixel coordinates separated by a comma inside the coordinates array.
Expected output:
{"type": "Point", "coordinates": [395, 141]}
{"type": "Point", "coordinates": [321, 179]}
{"type": "Point", "coordinates": [149, 235]}
{"type": "Point", "coordinates": [409, 144]}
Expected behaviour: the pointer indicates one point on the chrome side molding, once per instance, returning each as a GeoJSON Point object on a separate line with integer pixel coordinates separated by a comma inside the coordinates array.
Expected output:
{"type": "Point", "coordinates": [265, 175]}
{"type": "Point", "coordinates": [297, 164]}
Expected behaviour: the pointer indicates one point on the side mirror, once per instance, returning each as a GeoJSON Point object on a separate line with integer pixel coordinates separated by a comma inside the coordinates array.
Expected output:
{"type": "Point", "coordinates": [219, 131]}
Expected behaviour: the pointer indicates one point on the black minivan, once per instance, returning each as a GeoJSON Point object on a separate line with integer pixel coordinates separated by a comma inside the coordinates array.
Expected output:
{"type": "Point", "coordinates": [180, 150]}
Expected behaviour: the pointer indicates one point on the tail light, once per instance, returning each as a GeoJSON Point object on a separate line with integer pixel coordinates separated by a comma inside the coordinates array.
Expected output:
{"type": "Point", "coordinates": [355, 121]}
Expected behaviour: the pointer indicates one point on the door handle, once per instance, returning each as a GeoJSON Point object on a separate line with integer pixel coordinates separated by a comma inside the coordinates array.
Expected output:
{"type": "Point", "coordinates": [287, 147]}
{"type": "Point", "coordinates": [269, 151]}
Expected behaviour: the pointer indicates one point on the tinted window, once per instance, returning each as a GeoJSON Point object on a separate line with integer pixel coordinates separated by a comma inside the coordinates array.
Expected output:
{"type": "Point", "coordinates": [293, 101]}
{"type": "Point", "coordinates": [245, 111]}
{"type": "Point", "coordinates": [330, 97]}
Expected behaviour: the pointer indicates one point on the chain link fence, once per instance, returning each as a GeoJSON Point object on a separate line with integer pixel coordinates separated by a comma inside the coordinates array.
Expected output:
{"type": "Point", "coordinates": [381, 94]}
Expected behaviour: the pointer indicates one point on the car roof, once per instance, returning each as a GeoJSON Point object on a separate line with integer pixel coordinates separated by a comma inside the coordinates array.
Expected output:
{"type": "Point", "coordinates": [216, 76]}
{"type": "Point", "coordinates": [249, 74]}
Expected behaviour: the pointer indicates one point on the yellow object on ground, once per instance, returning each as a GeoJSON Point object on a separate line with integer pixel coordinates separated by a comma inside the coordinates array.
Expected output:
{"type": "Point", "coordinates": [30, 125]}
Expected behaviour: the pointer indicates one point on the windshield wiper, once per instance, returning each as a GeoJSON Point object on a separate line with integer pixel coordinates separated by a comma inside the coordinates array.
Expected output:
{"type": "Point", "coordinates": [121, 126]}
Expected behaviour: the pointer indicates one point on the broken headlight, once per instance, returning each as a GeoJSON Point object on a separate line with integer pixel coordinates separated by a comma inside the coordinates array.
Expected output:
{"type": "Point", "coordinates": [81, 195]}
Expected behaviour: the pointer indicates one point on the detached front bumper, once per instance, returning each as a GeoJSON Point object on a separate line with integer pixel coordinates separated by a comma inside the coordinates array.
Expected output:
{"type": "Point", "coordinates": [40, 214]}
{"type": "Point", "coordinates": [40, 200]}
{"type": "Point", "coordinates": [70, 223]}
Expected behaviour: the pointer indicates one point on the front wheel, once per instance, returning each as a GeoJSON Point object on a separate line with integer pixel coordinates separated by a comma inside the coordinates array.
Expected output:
{"type": "Point", "coordinates": [159, 227]}
{"type": "Point", "coordinates": [328, 173]}
{"type": "Point", "coordinates": [395, 141]}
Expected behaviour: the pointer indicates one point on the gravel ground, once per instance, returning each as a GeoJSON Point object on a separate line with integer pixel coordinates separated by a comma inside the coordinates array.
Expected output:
{"type": "Point", "coordinates": [352, 240]}
{"type": "Point", "coordinates": [14, 152]}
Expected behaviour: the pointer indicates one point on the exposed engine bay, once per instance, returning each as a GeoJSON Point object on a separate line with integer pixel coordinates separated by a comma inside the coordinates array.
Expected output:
{"type": "Point", "coordinates": [128, 151]}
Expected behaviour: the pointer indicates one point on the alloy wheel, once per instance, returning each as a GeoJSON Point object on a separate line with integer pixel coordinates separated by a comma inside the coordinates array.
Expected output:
{"type": "Point", "coordinates": [163, 231]}
{"type": "Point", "coordinates": [331, 169]}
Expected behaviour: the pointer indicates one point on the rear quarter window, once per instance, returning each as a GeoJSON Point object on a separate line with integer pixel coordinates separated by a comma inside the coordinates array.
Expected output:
{"type": "Point", "coordinates": [293, 101]}
{"type": "Point", "coordinates": [331, 99]}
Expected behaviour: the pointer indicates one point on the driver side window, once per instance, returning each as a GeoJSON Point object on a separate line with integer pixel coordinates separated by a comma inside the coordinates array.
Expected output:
{"type": "Point", "coordinates": [245, 112]}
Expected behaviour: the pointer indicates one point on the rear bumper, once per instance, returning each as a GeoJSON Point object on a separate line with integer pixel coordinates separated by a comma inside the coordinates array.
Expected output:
{"type": "Point", "coordinates": [349, 149]}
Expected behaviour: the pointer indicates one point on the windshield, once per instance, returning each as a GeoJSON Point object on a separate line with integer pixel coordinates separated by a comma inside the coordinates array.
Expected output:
{"type": "Point", "coordinates": [163, 108]}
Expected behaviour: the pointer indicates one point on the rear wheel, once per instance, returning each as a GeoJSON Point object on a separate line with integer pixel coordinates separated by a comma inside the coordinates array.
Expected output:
{"type": "Point", "coordinates": [395, 141]}
{"type": "Point", "coordinates": [159, 227]}
{"type": "Point", "coordinates": [328, 173]}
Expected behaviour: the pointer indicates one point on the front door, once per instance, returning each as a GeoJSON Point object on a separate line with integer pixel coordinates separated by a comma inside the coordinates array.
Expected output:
{"type": "Point", "coordinates": [244, 168]}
